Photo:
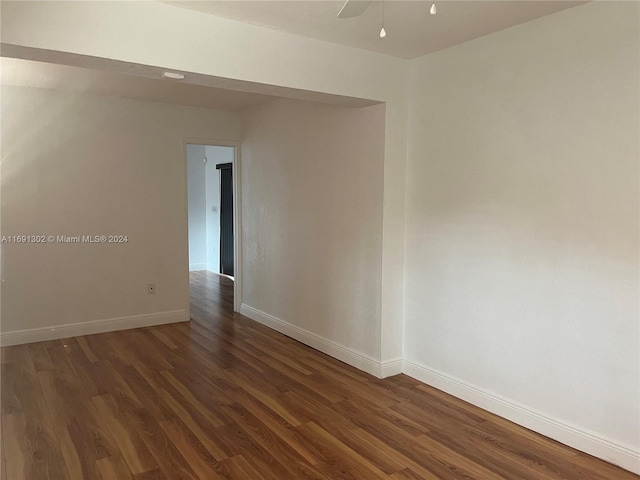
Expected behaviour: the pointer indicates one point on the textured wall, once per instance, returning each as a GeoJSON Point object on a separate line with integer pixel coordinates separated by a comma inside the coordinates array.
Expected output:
{"type": "Point", "coordinates": [74, 164]}
{"type": "Point", "coordinates": [522, 217]}
{"type": "Point", "coordinates": [312, 181]}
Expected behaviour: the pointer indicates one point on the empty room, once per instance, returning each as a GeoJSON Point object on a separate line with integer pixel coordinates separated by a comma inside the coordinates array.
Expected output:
{"type": "Point", "coordinates": [320, 240]}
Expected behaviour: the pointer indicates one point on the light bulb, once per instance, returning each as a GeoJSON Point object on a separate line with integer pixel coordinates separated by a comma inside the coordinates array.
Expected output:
{"type": "Point", "coordinates": [383, 32]}
{"type": "Point", "coordinates": [173, 75]}
{"type": "Point", "coordinates": [433, 10]}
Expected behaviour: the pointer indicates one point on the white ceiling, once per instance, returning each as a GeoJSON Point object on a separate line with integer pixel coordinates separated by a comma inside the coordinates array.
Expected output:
{"type": "Point", "coordinates": [411, 30]}
{"type": "Point", "coordinates": [27, 73]}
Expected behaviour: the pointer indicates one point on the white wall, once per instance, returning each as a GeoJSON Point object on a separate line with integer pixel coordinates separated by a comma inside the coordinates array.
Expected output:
{"type": "Point", "coordinates": [312, 179]}
{"type": "Point", "coordinates": [198, 195]}
{"type": "Point", "coordinates": [74, 164]}
{"type": "Point", "coordinates": [249, 53]}
{"type": "Point", "coordinates": [508, 137]}
{"type": "Point", "coordinates": [215, 155]}
{"type": "Point", "coordinates": [522, 225]}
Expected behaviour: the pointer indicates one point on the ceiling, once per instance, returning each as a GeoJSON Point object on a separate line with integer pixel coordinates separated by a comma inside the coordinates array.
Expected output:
{"type": "Point", "coordinates": [27, 73]}
{"type": "Point", "coordinates": [411, 30]}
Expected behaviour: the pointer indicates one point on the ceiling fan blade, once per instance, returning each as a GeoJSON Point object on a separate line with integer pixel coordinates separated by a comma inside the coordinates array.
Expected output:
{"type": "Point", "coordinates": [353, 8]}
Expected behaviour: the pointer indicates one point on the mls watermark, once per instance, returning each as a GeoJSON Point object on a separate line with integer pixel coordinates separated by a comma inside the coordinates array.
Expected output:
{"type": "Point", "coordinates": [72, 239]}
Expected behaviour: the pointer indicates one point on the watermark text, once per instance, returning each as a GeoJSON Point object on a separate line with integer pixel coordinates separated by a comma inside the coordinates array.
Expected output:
{"type": "Point", "coordinates": [84, 239]}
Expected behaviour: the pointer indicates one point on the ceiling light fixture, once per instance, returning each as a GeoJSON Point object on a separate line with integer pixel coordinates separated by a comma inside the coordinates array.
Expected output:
{"type": "Point", "coordinates": [173, 75]}
{"type": "Point", "coordinates": [383, 32]}
{"type": "Point", "coordinates": [433, 9]}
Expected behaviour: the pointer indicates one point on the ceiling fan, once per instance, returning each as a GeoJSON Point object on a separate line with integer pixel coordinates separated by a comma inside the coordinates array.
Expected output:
{"type": "Point", "coordinates": [353, 8]}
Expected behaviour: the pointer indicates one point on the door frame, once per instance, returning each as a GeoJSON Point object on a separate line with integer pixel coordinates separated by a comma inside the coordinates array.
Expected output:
{"type": "Point", "coordinates": [237, 209]}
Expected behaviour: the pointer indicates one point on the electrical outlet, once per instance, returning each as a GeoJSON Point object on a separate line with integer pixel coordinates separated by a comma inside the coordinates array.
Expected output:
{"type": "Point", "coordinates": [151, 288]}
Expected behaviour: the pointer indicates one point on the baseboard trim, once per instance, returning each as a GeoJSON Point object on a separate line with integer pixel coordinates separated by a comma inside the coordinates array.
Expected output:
{"type": "Point", "coordinates": [94, 326]}
{"type": "Point", "coordinates": [195, 267]}
{"type": "Point", "coordinates": [572, 436]}
{"type": "Point", "coordinates": [391, 368]}
{"type": "Point", "coordinates": [351, 357]}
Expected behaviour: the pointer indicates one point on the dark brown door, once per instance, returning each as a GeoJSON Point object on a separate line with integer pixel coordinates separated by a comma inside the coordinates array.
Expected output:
{"type": "Point", "coordinates": [226, 218]}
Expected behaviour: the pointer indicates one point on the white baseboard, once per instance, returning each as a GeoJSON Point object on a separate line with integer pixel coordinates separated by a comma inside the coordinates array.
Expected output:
{"type": "Point", "coordinates": [391, 368]}
{"type": "Point", "coordinates": [95, 326]}
{"type": "Point", "coordinates": [349, 356]}
{"type": "Point", "coordinates": [195, 267]}
{"type": "Point", "coordinates": [572, 436]}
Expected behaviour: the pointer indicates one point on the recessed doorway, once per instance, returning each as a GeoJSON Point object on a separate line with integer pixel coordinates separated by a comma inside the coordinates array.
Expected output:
{"type": "Point", "coordinates": [212, 209]}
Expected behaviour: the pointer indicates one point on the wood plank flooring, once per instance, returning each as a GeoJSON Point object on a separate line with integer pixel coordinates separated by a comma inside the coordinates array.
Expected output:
{"type": "Point", "coordinates": [223, 397]}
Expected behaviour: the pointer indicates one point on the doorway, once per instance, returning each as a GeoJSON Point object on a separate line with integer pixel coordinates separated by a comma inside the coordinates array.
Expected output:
{"type": "Point", "coordinates": [212, 212]}
{"type": "Point", "coordinates": [226, 218]}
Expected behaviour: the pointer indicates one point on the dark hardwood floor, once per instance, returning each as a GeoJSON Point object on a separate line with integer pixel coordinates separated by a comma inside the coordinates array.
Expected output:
{"type": "Point", "coordinates": [224, 397]}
